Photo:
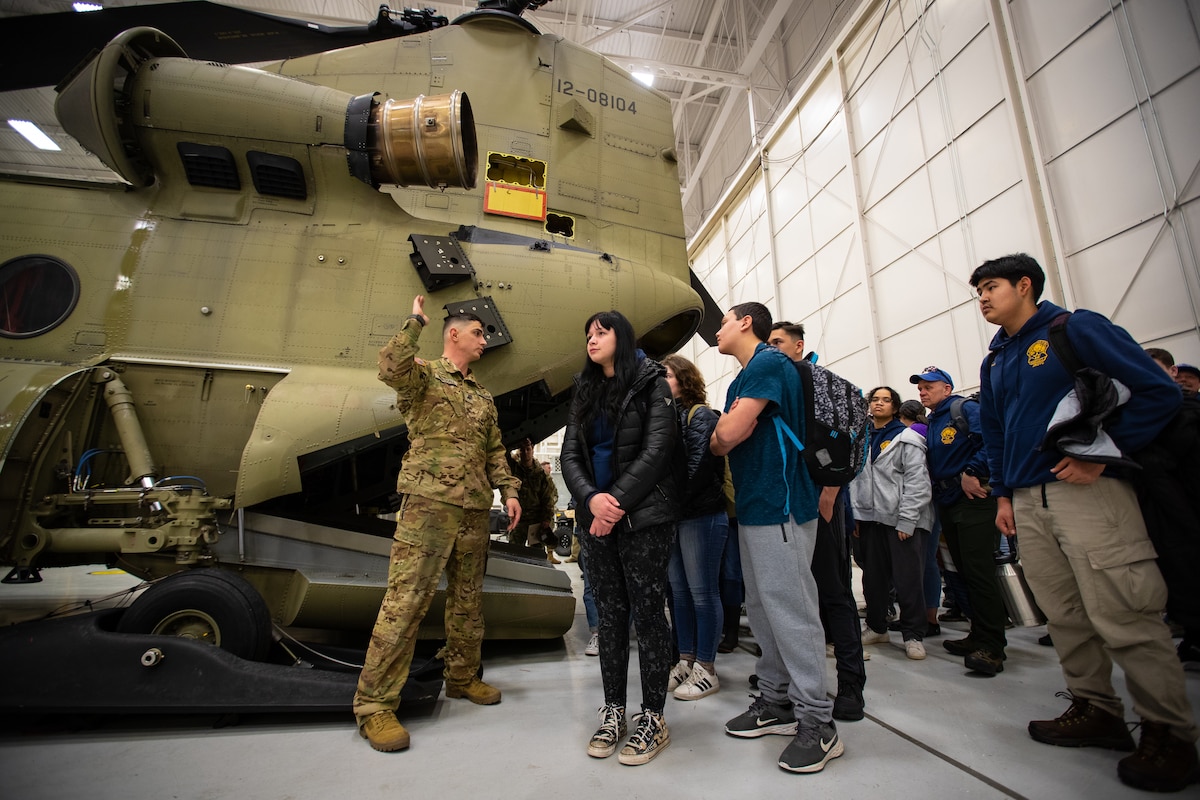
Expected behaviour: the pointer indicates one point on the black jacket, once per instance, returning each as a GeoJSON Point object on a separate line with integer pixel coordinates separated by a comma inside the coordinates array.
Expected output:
{"type": "Point", "coordinates": [649, 463]}
{"type": "Point", "coordinates": [705, 493]}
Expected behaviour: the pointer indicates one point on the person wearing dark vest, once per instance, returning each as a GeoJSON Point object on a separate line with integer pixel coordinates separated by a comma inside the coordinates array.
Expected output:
{"type": "Point", "coordinates": [958, 467]}
{"type": "Point", "coordinates": [695, 566]}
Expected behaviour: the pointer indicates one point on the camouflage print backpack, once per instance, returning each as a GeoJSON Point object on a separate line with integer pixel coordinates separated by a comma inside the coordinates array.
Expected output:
{"type": "Point", "coordinates": [836, 441]}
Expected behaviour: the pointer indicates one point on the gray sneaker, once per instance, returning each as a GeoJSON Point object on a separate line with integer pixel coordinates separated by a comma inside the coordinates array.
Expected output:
{"type": "Point", "coordinates": [762, 718]}
{"type": "Point", "coordinates": [815, 743]}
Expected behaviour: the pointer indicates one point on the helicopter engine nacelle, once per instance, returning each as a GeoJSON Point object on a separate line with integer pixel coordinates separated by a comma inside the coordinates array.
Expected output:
{"type": "Point", "coordinates": [141, 87]}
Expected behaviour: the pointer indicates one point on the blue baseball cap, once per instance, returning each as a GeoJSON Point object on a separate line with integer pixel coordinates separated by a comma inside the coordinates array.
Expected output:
{"type": "Point", "coordinates": [932, 374]}
{"type": "Point", "coordinates": [1188, 368]}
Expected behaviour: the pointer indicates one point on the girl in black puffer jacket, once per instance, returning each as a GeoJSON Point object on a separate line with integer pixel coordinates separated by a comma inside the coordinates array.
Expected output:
{"type": "Point", "coordinates": [624, 465]}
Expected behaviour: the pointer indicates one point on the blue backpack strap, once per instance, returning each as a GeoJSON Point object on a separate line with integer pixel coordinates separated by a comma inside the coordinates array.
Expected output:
{"type": "Point", "coordinates": [781, 428]}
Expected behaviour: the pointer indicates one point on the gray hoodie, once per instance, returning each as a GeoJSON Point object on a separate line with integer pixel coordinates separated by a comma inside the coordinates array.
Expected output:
{"type": "Point", "coordinates": [895, 489]}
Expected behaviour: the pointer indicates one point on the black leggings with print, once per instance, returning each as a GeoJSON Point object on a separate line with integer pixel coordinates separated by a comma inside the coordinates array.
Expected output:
{"type": "Point", "coordinates": [628, 573]}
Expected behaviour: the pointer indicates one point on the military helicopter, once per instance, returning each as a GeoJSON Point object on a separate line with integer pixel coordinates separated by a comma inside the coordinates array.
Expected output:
{"type": "Point", "coordinates": [187, 357]}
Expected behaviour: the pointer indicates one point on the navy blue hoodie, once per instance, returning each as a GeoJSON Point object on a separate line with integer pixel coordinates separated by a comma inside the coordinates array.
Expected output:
{"type": "Point", "coordinates": [952, 451]}
{"type": "Point", "coordinates": [1022, 382]}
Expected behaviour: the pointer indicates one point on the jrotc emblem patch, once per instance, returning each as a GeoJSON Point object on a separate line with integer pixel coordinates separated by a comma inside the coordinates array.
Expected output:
{"type": "Point", "coordinates": [1037, 353]}
{"type": "Point", "coordinates": [948, 434]}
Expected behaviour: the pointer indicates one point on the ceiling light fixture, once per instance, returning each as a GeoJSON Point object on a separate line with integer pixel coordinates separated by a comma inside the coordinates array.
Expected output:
{"type": "Point", "coordinates": [87, 7]}
{"type": "Point", "coordinates": [644, 78]}
{"type": "Point", "coordinates": [34, 134]}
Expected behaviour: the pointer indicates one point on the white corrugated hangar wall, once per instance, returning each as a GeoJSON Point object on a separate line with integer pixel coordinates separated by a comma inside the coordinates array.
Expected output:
{"type": "Point", "coordinates": [936, 135]}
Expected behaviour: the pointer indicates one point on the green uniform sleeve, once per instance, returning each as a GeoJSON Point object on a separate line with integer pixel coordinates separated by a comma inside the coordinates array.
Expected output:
{"type": "Point", "coordinates": [399, 368]}
{"type": "Point", "coordinates": [498, 472]}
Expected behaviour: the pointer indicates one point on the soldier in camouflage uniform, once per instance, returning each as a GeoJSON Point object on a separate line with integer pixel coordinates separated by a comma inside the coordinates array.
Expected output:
{"type": "Point", "coordinates": [537, 497]}
{"type": "Point", "coordinates": [455, 458]}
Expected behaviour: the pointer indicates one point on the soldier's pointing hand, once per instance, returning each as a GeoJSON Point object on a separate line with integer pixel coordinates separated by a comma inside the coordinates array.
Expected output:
{"type": "Point", "coordinates": [419, 308]}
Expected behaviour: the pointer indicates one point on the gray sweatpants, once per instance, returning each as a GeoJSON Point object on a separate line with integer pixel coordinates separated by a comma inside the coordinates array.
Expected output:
{"type": "Point", "coordinates": [781, 602]}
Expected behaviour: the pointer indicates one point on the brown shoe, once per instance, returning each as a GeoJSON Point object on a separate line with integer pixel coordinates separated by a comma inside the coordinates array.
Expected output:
{"type": "Point", "coordinates": [1162, 762]}
{"type": "Point", "coordinates": [984, 662]}
{"type": "Point", "coordinates": [384, 732]}
{"type": "Point", "coordinates": [477, 692]}
{"type": "Point", "coordinates": [1083, 725]}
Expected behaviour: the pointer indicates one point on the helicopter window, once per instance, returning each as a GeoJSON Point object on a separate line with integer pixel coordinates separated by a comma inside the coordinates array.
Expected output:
{"type": "Point", "coordinates": [277, 175]}
{"type": "Point", "coordinates": [206, 165]}
{"type": "Point", "coordinates": [36, 294]}
{"type": "Point", "coordinates": [560, 224]}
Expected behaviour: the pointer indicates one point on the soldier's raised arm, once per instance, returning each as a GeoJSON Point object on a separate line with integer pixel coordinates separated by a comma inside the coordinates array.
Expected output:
{"type": "Point", "coordinates": [399, 367]}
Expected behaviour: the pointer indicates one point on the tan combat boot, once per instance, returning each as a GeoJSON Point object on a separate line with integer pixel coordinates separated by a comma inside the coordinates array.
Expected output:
{"type": "Point", "coordinates": [476, 691]}
{"type": "Point", "coordinates": [384, 732]}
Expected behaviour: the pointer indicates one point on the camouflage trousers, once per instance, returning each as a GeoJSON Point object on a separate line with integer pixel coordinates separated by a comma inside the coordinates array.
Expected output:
{"type": "Point", "coordinates": [430, 538]}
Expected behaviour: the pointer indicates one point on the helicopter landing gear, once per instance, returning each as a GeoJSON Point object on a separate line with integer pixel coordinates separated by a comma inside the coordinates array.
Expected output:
{"type": "Point", "coordinates": [207, 605]}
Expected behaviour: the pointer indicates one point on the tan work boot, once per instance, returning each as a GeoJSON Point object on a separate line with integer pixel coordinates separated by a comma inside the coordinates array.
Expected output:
{"type": "Point", "coordinates": [384, 732]}
{"type": "Point", "coordinates": [476, 691]}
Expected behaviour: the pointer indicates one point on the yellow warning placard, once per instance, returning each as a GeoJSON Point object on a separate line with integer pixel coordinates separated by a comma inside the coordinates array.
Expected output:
{"type": "Point", "coordinates": [524, 202]}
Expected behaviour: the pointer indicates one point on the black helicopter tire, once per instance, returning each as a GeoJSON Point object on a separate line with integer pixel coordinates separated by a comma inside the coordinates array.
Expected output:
{"type": "Point", "coordinates": [209, 605]}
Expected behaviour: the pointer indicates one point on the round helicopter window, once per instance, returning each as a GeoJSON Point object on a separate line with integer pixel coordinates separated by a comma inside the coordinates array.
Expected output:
{"type": "Point", "coordinates": [36, 294]}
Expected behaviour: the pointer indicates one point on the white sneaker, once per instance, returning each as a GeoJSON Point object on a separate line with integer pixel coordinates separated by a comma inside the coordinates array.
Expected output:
{"type": "Point", "coordinates": [914, 649]}
{"type": "Point", "coordinates": [679, 673]}
{"type": "Point", "coordinates": [871, 637]}
{"type": "Point", "coordinates": [593, 646]}
{"type": "Point", "coordinates": [701, 683]}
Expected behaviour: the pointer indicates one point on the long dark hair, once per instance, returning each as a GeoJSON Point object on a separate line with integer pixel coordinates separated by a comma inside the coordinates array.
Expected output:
{"type": "Point", "coordinates": [596, 394]}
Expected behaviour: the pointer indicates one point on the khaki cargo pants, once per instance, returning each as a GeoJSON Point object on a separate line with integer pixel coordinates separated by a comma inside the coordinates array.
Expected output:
{"type": "Point", "coordinates": [1092, 569]}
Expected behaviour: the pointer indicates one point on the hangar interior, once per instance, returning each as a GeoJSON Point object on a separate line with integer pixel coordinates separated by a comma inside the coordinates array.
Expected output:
{"type": "Point", "coordinates": [848, 164]}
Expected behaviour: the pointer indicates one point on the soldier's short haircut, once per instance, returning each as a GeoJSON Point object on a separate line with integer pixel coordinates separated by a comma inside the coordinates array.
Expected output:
{"type": "Point", "coordinates": [460, 319]}
{"type": "Point", "coordinates": [1012, 268]}
{"type": "Point", "coordinates": [792, 329]}
{"type": "Point", "coordinates": [760, 318]}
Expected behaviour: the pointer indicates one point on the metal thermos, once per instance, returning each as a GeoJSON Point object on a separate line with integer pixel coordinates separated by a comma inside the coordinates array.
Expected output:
{"type": "Point", "coordinates": [1018, 597]}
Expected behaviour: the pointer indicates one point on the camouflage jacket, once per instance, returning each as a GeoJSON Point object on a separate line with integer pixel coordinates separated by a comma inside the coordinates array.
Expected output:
{"type": "Point", "coordinates": [538, 495]}
{"type": "Point", "coordinates": [455, 453]}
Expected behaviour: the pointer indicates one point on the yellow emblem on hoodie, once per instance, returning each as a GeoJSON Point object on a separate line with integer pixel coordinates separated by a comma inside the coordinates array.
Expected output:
{"type": "Point", "coordinates": [1037, 353]}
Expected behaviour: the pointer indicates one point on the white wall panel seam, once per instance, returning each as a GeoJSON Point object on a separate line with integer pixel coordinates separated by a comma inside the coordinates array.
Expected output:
{"type": "Point", "coordinates": [1000, 16]}
{"type": "Point", "coordinates": [1159, 157]}
{"type": "Point", "coordinates": [859, 236]}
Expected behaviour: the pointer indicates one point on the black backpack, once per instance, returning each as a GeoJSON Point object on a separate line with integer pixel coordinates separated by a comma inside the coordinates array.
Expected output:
{"type": "Point", "coordinates": [836, 441]}
{"type": "Point", "coordinates": [959, 419]}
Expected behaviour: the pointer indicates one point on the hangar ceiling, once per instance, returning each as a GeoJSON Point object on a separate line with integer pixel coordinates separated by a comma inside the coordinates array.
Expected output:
{"type": "Point", "coordinates": [713, 58]}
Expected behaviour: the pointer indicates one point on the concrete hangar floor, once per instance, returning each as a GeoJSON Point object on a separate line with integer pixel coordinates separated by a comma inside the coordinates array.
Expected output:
{"type": "Point", "coordinates": [932, 730]}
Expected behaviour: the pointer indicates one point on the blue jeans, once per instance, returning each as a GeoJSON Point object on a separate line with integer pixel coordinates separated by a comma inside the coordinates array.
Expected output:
{"type": "Point", "coordinates": [589, 601]}
{"type": "Point", "coordinates": [694, 572]}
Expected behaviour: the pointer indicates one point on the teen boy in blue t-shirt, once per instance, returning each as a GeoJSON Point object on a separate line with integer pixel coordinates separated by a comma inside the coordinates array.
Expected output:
{"type": "Point", "coordinates": [777, 532]}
